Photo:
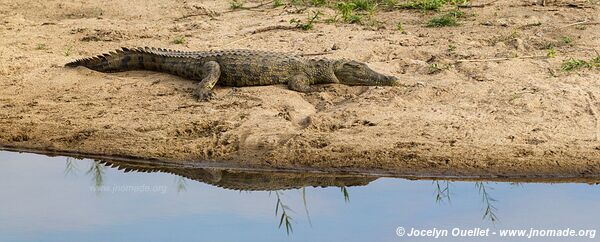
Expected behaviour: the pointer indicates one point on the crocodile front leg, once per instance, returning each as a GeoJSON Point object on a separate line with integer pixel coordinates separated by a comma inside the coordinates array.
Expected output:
{"type": "Point", "coordinates": [211, 72]}
{"type": "Point", "coordinates": [301, 83]}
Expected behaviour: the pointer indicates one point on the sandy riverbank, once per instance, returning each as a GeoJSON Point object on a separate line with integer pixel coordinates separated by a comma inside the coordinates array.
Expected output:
{"type": "Point", "coordinates": [515, 117]}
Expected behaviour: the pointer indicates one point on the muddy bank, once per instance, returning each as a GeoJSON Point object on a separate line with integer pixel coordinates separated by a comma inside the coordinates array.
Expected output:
{"type": "Point", "coordinates": [513, 117]}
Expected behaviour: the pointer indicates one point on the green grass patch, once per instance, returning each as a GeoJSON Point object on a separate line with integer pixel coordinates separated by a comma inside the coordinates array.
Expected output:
{"type": "Point", "coordinates": [442, 21]}
{"type": "Point", "coordinates": [573, 64]}
{"type": "Point", "coordinates": [451, 48]}
{"type": "Point", "coordinates": [429, 5]}
{"type": "Point", "coordinates": [447, 19]}
{"type": "Point", "coordinates": [424, 4]}
{"type": "Point", "coordinates": [595, 62]}
{"type": "Point", "coordinates": [179, 40]}
{"type": "Point", "coordinates": [347, 11]}
{"type": "Point", "coordinates": [434, 68]}
{"type": "Point", "coordinates": [389, 4]}
{"type": "Point", "coordinates": [363, 11]}
{"type": "Point", "coordinates": [456, 13]}
{"type": "Point", "coordinates": [551, 52]}
{"type": "Point", "coordinates": [400, 27]}
{"type": "Point", "coordinates": [69, 50]}
{"type": "Point", "coordinates": [364, 5]}
{"type": "Point", "coordinates": [41, 47]}
{"type": "Point", "coordinates": [308, 24]}
{"type": "Point", "coordinates": [236, 4]}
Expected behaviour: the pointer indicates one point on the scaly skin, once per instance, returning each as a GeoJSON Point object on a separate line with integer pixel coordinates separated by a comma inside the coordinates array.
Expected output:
{"type": "Point", "coordinates": [239, 68]}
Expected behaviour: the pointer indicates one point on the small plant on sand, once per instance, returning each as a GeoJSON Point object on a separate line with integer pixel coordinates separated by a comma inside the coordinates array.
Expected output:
{"type": "Point", "coordinates": [41, 47]}
{"type": "Point", "coordinates": [515, 96]}
{"type": "Point", "coordinates": [458, 2]}
{"type": "Point", "coordinates": [399, 27]}
{"type": "Point", "coordinates": [448, 19]}
{"type": "Point", "coordinates": [551, 52]}
{"type": "Point", "coordinates": [573, 64]}
{"type": "Point", "coordinates": [364, 5]}
{"type": "Point", "coordinates": [389, 4]}
{"type": "Point", "coordinates": [424, 4]}
{"type": "Point", "coordinates": [430, 5]}
{"type": "Point", "coordinates": [236, 4]}
{"type": "Point", "coordinates": [179, 40]}
{"type": "Point", "coordinates": [354, 19]}
{"type": "Point", "coordinates": [451, 48]}
{"type": "Point", "coordinates": [595, 62]}
{"type": "Point", "coordinates": [312, 17]}
{"type": "Point", "coordinates": [456, 13]}
{"type": "Point", "coordinates": [567, 40]}
{"type": "Point", "coordinates": [347, 11]}
{"type": "Point", "coordinates": [277, 3]}
{"type": "Point", "coordinates": [434, 68]}
{"type": "Point", "coordinates": [69, 50]}
{"type": "Point", "coordinates": [442, 21]}
{"type": "Point", "coordinates": [355, 11]}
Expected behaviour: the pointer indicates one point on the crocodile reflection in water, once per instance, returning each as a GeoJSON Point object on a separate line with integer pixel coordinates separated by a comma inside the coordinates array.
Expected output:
{"type": "Point", "coordinates": [271, 181]}
{"type": "Point", "coordinates": [241, 180]}
{"type": "Point", "coordinates": [247, 180]}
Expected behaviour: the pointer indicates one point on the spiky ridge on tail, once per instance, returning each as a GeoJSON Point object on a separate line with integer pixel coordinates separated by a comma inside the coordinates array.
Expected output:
{"type": "Point", "coordinates": [119, 60]}
{"type": "Point", "coordinates": [142, 58]}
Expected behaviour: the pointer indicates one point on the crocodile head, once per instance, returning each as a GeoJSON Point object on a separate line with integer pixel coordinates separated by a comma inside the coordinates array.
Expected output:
{"type": "Point", "coordinates": [359, 74]}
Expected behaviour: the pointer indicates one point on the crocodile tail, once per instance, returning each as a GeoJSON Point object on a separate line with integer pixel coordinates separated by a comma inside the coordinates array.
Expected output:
{"type": "Point", "coordinates": [142, 58]}
{"type": "Point", "coordinates": [120, 60]}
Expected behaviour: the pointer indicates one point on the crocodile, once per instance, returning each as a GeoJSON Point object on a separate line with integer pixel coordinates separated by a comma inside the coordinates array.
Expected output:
{"type": "Point", "coordinates": [241, 180]}
{"type": "Point", "coordinates": [239, 68]}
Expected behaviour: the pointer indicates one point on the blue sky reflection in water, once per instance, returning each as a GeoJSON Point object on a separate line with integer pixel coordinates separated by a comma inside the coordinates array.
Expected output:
{"type": "Point", "coordinates": [64, 199]}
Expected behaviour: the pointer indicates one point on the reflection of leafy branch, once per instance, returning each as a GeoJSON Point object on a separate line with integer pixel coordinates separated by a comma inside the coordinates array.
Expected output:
{"type": "Point", "coordinates": [70, 166]}
{"type": "Point", "coordinates": [345, 192]}
{"type": "Point", "coordinates": [306, 206]}
{"type": "Point", "coordinates": [442, 191]}
{"type": "Point", "coordinates": [97, 170]}
{"type": "Point", "coordinates": [181, 184]}
{"type": "Point", "coordinates": [284, 214]}
{"type": "Point", "coordinates": [490, 209]}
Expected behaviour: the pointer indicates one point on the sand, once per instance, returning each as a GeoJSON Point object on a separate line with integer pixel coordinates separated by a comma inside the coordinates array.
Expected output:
{"type": "Point", "coordinates": [513, 113]}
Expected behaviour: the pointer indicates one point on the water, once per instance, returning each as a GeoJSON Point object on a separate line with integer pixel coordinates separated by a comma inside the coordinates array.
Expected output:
{"type": "Point", "coordinates": [64, 199]}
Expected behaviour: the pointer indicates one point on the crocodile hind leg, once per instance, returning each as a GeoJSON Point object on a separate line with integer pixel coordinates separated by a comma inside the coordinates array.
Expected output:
{"type": "Point", "coordinates": [211, 72]}
{"type": "Point", "coordinates": [301, 83]}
